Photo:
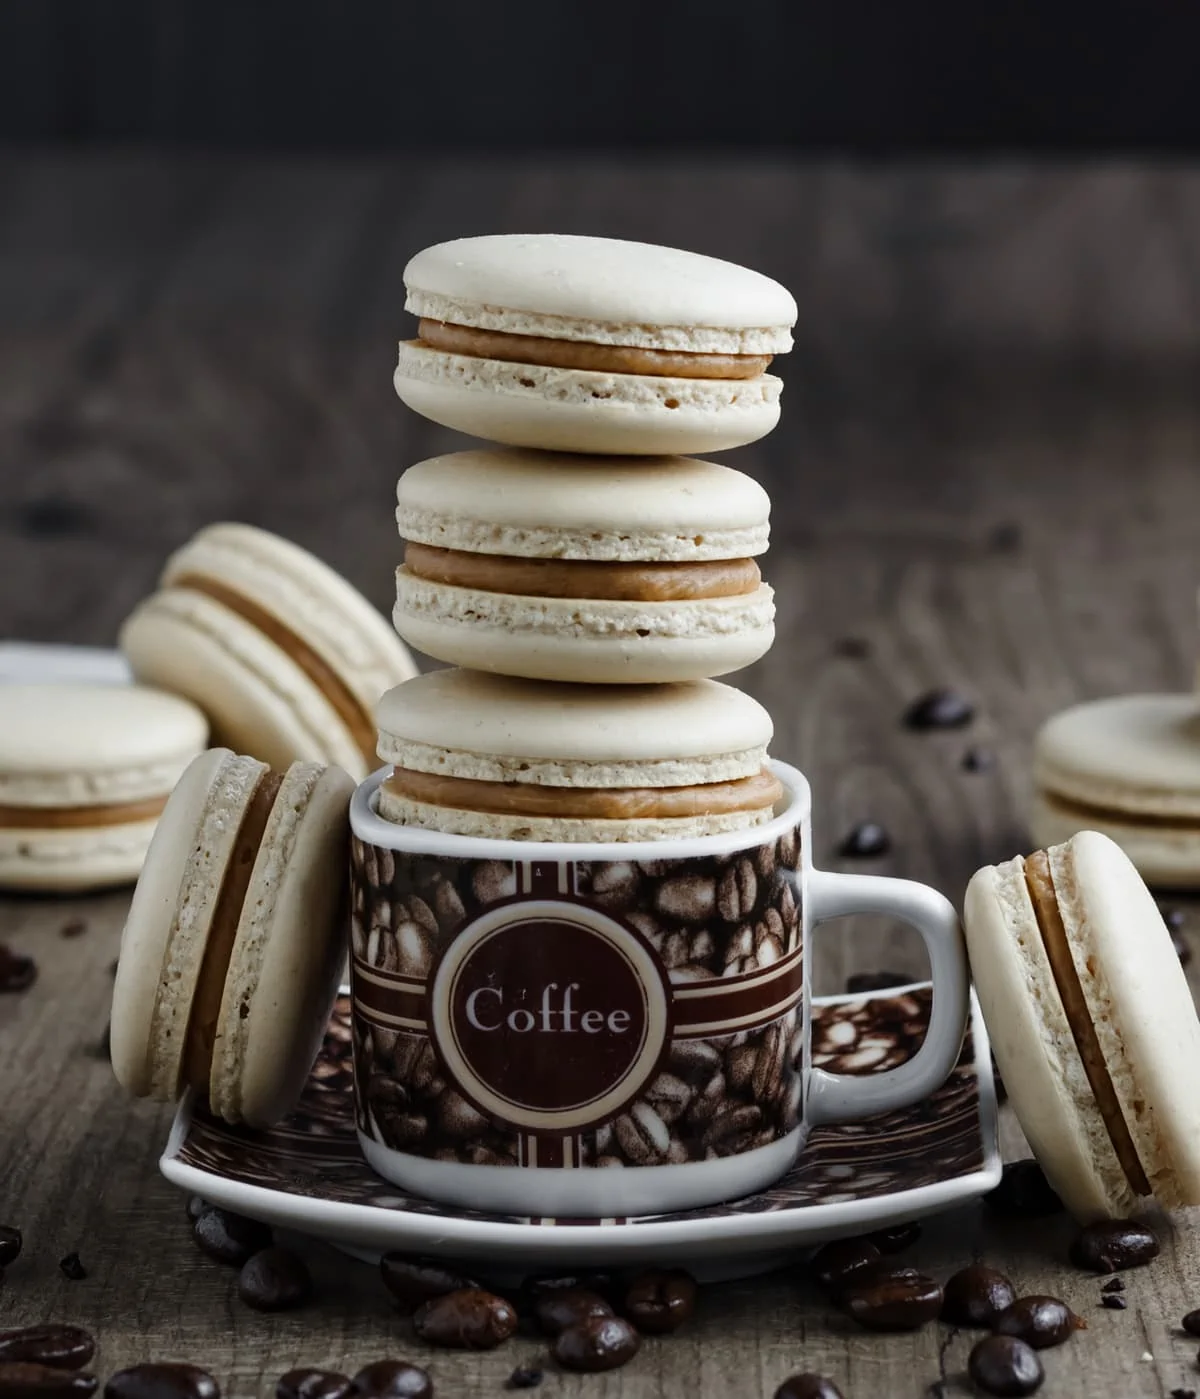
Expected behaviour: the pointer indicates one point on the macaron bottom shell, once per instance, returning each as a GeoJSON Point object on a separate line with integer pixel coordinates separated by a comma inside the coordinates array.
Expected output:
{"type": "Point", "coordinates": [1167, 856]}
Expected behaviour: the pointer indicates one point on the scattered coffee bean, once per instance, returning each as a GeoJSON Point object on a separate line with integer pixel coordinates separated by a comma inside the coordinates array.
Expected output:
{"type": "Point", "coordinates": [559, 1307]}
{"type": "Point", "coordinates": [1005, 537]}
{"type": "Point", "coordinates": [1191, 1323]}
{"type": "Point", "coordinates": [976, 1295]}
{"type": "Point", "coordinates": [162, 1381]}
{"type": "Point", "coordinates": [312, 1384]}
{"type": "Point", "coordinates": [603, 1284]}
{"type": "Point", "coordinates": [1039, 1321]}
{"type": "Point", "coordinates": [230, 1238]}
{"type": "Point", "coordinates": [196, 1207]}
{"type": "Point", "coordinates": [73, 928]}
{"type": "Point", "coordinates": [1182, 1394]}
{"type": "Point", "coordinates": [21, 1379]}
{"type": "Point", "coordinates": [1182, 950]}
{"type": "Point", "coordinates": [59, 1346]}
{"type": "Point", "coordinates": [659, 1301]}
{"type": "Point", "coordinates": [470, 1319]}
{"type": "Point", "coordinates": [1113, 1302]}
{"type": "Point", "coordinates": [863, 983]}
{"type": "Point", "coordinates": [902, 1300]}
{"type": "Point", "coordinates": [525, 1377]}
{"type": "Point", "coordinates": [10, 1245]}
{"type": "Point", "coordinates": [864, 841]}
{"type": "Point", "coordinates": [413, 1280]}
{"type": "Point", "coordinates": [1006, 1366]}
{"type": "Point", "coordinates": [392, 1379]}
{"type": "Point", "coordinates": [17, 973]}
{"type": "Point", "coordinates": [275, 1280]}
{"type": "Point", "coordinates": [896, 1238]}
{"type": "Point", "coordinates": [1023, 1193]}
{"type": "Point", "coordinates": [1112, 1245]}
{"type": "Point", "coordinates": [72, 1268]}
{"type": "Point", "coordinates": [835, 1264]}
{"type": "Point", "coordinates": [808, 1386]}
{"type": "Point", "coordinates": [939, 709]}
{"type": "Point", "coordinates": [853, 648]}
{"type": "Point", "coordinates": [1114, 1285]}
{"type": "Point", "coordinates": [977, 759]}
{"type": "Point", "coordinates": [1174, 918]}
{"type": "Point", "coordinates": [599, 1343]}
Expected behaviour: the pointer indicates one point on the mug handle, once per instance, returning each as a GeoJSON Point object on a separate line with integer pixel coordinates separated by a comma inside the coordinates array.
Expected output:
{"type": "Point", "coordinates": [846, 1097]}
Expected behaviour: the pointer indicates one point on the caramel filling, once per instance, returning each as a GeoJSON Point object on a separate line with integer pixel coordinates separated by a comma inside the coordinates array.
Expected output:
{"type": "Point", "coordinates": [345, 704]}
{"type": "Point", "coordinates": [1087, 810]}
{"type": "Point", "coordinates": [586, 803]}
{"type": "Point", "coordinates": [1040, 883]}
{"type": "Point", "coordinates": [73, 818]}
{"type": "Point", "coordinates": [579, 354]}
{"type": "Point", "coordinates": [205, 1015]}
{"type": "Point", "coordinates": [584, 578]}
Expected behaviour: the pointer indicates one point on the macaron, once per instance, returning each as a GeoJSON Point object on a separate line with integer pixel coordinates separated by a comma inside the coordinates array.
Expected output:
{"type": "Point", "coordinates": [582, 568]}
{"type": "Point", "coordinates": [282, 654]}
{"type": "Point", "coordinates": [489, 755]}
{"type": "Point", "coordinates": [85, 772]}
{"type": "Point", "coordinates": [1130, 767]}
{"type": "Point", "coordinates": [593, 344]}
{"type": "Point", "coordinates": [1092, 1025]}
{"type": "Point", "coordinates": [235, 940]}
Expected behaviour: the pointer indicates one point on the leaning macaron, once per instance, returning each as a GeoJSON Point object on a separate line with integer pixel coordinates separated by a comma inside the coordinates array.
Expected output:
{"type": "Point", "coordinates": [1130, 767]}
{"type": "Point", "coordinates": [582, 344]}
{"type": "Point", "coordinates": [85, 772]}
{"type": "Point", "coordinates": [281, 653]}
{"type": "Point", "coordinates": [488, 755]}
{"type": "Point", "coordinates": [584, 569]}
{"type": "Point", "coordinates": [1092, 1024]}
{"type": "Point", "coordinates": [235, 940]}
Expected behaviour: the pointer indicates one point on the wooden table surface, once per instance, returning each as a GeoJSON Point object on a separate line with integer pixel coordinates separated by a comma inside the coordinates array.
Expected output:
{"type": "Point", "coordinates": [988, 470]}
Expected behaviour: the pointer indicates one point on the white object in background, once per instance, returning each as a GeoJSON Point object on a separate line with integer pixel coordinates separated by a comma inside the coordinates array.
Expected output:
{"type": "Point", "coordinates": [36, 663]}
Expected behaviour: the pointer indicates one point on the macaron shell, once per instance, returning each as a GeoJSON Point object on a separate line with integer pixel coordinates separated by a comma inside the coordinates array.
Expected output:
{"type": "Point", "coordinates": [289, 951]}
{"type": "Point", "coordinates": [1140, 1005]}
{"type": "Point", "coordinates": [1167, 857]}
{"type": "Point", "coordinates": [256, 697]}
{"type": "Point", "coordinates": [574, 410]}
{"type": "Point", "coordinates": [1034, 1047]}
{"type": "Point", "coordinates": [74, 860]}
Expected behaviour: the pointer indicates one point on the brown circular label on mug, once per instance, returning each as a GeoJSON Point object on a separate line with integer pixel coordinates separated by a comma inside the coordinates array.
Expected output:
{"type": "Point", "coordinates": [549, 1014]}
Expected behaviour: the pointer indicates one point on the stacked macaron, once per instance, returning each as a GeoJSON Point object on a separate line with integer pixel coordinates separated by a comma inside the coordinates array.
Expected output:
{"type": "Point", "coordinates": [589, 582]}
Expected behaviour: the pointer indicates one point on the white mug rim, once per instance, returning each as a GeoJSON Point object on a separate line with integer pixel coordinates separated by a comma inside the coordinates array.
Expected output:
{"type": "Point", "coordinates": [372, 829]}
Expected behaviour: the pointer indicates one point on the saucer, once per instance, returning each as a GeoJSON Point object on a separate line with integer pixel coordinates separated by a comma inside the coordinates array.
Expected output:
{"type": "Point", "coordinates": [308, 1175]}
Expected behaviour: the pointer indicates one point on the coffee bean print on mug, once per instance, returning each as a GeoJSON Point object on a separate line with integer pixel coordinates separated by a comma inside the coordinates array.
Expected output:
{"type": "Point", "coordinates": [606, 1014]}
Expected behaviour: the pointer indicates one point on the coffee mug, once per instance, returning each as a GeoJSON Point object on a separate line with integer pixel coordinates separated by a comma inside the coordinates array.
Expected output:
{"type": "Point", "coordinates": [604, 1030]}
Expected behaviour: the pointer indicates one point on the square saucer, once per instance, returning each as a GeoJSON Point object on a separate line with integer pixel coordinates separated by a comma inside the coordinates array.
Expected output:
{"type": "Point", "coordinates": [308, 1174]}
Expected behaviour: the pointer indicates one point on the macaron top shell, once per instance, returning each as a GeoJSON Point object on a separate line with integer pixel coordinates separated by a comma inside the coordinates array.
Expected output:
{"type": "Point", "coordinates": [552, 505]}
{"type": "Point", "coordinates": [601, 290]}
{"type": "Point", "coordinates": [81, 745]}
{"type": "Point", "coordinates": [497, 728]}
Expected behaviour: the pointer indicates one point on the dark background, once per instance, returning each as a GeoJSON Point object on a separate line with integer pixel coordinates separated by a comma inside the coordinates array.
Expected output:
{"type": "Point", "coordinates": [808, 75]}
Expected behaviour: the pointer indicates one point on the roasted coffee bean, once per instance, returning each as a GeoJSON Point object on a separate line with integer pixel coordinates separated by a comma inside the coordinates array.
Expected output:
{"type": "Point", "coordinates": [853, 648]}
{"type": "Point", "coordinates": [1191, 1322]}
{"type": "Point", "coordinates": [196, 1207]}
{"type": "Point", "coordinates": [642, 1135]}
{"type": "Point", "coordinates": [162, 1381]}
{"type": "Point", "coordinates": [312, 1384]}
{"type": "Point", "coordinates": [808, 1386]}
{"type": "Point", "coordinates": [1039, 1321]}
{"type": "Point", "coordinates": [1023, 1193]}
{"type": "Point", "coordinates": [737, 892]}
{"type": "Point", "coordinates": [275, 1280]}
{"type": "Point", "coordinates": [10, 1245]}
{"type": "Point", "coordinates": [73, 928]}
{"type": "Point", "coordinates": [863, 983]}
{"type": "Point", "coordinates": [660, 1300]}
{"type": "Point", "coordinates": [896, 1238]}
{"type": "Point", "coordinates": [23, 1380]}
{"type": "Point", "coordinates": [939, 709]}
{"type": "Point", "coordinates": [525, 1377]}
{"type": "Point", "coordinates": [230, 1238]}
{"type": "Point", "coordinates": [691, 898]}
{"type": "Point", "coordinates": [1005, 1366]}
{"type": "Point", "coordinates": [59, 1346]}
{"type": "Point", "coordinates": [1182, 1394]}
{"type": "Point", "coordinates": [976, 1296]}
{"type": "Point", "coordinates": [392, 1379]}
{"type": "Point", "coordinates": [470, 1319]}
{"type": "Point", "coordinates": [413, 1279]}
{"type": "Point", "coordinates": [17, 973]}
{"type": "Point", "coordinates": [865, 840]}
{"type": "Point", "coordinates": [977, 759]}
{"type": "Point", "coordinates": [71, 1267]}
{"type": "Point", "coordinates": [835, 1264]}
{"type": "Point", "coordinates": [1112, 1245]}
{"type": "Point", "coordinates": [556, 1308]}
{"type": "Point", "coordinates": [1174, 918]}
{"type": "Point", "coordinates": [903, 1300]}
{"type": "Point", "coordinates": [1113, 1302]}
{"type": "Point", "coordinates": [600, 1343]}
{"type": "Point", "coordinates": [1006, 537]}
{"type": "Point", "coordinates": [1113, 1285]}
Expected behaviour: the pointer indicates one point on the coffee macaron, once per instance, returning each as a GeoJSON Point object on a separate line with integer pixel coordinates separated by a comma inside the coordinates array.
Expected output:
{"type": "Point", "coordinates": [582, 568]}
{"type": "Point", "coordinates": [1130, 767]}
{"type": "Point", "coordinates": [1092, 1025]}
{"type": "Point", "coordinates": [282, 654]}
{"type": "Point", "coordinates": [85, 772]}
{"type": "Point", "coordinates": [489, 755]}
{"type": "Point", "coordinates": [581, 344]}
{"type": "Point", "coordinates": [236, 938]}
